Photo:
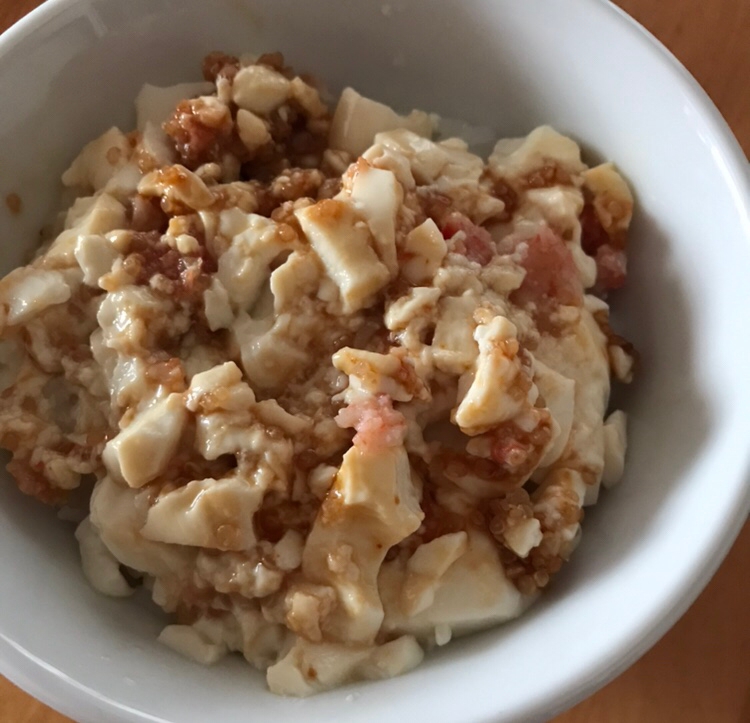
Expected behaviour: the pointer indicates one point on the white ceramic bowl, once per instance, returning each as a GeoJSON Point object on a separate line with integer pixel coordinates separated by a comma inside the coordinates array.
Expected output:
{"type": "Point", "coordinates": [72, 69]}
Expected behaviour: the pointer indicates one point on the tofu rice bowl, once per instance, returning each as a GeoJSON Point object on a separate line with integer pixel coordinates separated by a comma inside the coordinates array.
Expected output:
{"type": "Point", "coordinates": [331, 388]}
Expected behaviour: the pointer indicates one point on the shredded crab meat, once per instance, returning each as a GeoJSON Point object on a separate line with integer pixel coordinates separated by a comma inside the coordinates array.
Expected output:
{"type": "Point", "coordinates": [611, 265]}
{"type": "Point", "coordinates": [471, 240]}
{"type": "Point", "coordinates": [377, 423]}
{"type": "Point", "coordinates": [609, 252]}
{"type": "Point", "coordinates": [551, 276]}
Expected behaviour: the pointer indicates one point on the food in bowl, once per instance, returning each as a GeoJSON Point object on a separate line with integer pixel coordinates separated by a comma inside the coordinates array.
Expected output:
{"type": "Point", "coordinates": [330, 390]}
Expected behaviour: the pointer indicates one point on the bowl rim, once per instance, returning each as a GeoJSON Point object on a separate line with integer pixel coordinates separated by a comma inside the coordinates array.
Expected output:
{"type": "Point", "coordinates": [56, 689]}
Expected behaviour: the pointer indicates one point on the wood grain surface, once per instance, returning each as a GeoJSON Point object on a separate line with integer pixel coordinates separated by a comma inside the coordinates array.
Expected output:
{"type": "Point", "coordinates": [700, 671]}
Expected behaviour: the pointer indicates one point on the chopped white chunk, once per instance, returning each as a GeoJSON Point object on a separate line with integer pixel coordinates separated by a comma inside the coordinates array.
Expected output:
{"type": "Point", "coordinates": [260, 89]}
{"type": "Point", "coordinates": [144, 448]}
{"type": "Point", "coordinates": [357, 120]}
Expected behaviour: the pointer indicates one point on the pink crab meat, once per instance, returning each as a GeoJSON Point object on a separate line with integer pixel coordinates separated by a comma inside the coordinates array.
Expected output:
{"type": "Point", "coordinates": [551, 275]}
{"type": "Point", "coordinates": [476, 245]}
{"type": "Point", "coordinates": [611, 260]}
{"type": "Point", "coordinates": [377, 423]}
{"type": "Point", "coordinates": [611, 268]}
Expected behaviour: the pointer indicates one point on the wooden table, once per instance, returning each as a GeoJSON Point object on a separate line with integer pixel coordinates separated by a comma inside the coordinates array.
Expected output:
{"type": "Point", "coordinates": [700, 671]}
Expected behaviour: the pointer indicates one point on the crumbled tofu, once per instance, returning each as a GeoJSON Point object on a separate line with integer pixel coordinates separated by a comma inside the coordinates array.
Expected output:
{"type": "Point", "coordinates": [217, 306]}
{"type": "Point", "coordinates": [124, 182]}
{"type": "Point", "coordinates": [298, 276]}
{"type": "Point", "coordinates": [212, 386]}
{"type": "Point", "coordinates": [517, 157]}
{"type": "Point", "coordinates": [357, 120]}
{"type": "Point", "coordinates": [615, 442]}
{"type": "Point", "coordinates": [585, 265]}
{"type": "Point", "coordinates": [99, 161]}
{"type": "Point", "coordinates": [118, 513]}
{"type": "Point", "coordinates": [255, 243]}
{"type": "Point", "coordinates": [90, 215]}
{"type": "Point", "coordinates": [377, 196]}
{"type": "Point", "coordinates": [260, 89]}
{"type": "Point", "coordinates": [426, 567]}
{"type": "Point", "coordinates": [28, 292]}
{"type": "Point", "coordinates": [155, 104]}
{"type": "Point", "coordinates": [558, 392]}
{"type": "Point", "coordinates": [344, 244]}
{"type": "Point", "coordinates": [622, 363]}
{"type": "Point", "coordinates": [177, 185]}
{"type": "Point", "coordinates": [321, 478]}
{"type": "Point", "coordinates": [472, 594]}
{"type": "Point", "coordinates": [490, 399]}
{"type": "Point", "coordinates": [269, 357]}
{"type": "Point", "coordinates": [613, 201]}
{"type": "Point", "coordinates": [287, 552]}
{"type": "Point", "coordinates": [308, 97]}
{"type": "Point", "coordinates": [453, 346]}
{"type": "Point", "coordinates": [210, 513]}
{"type": "Point", "coordinates": [443, 635]}
{"type": "Point", "coordinates": [524, 537]}
{"type": "Point", "coordinates": [311, 668]}
{"type": "Point", "coordinates": [373, 373]}
{"type": "Point", "coordinates": [144, 448]}
{"type": "Point", "coordinates": [418, 304]}
{"type": "Point", "coordinates": [253, 130]}
{"type": "Point", "coordinates": [100, 566]}
{"type": "Point", "coordinates": [154, 148]}
{"type": "Point", "coordinates": [95, 255]}
{"type": "Point", "coordinates": [187, 641]}
{"type": "Point", "coordinates": [425, 250]}
{"type": "Point", "coordinates": [373, 494]}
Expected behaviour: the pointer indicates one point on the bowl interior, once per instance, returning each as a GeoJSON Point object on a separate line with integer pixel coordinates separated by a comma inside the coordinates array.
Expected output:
{"type": "Point", "coordinates": [73, 70]}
